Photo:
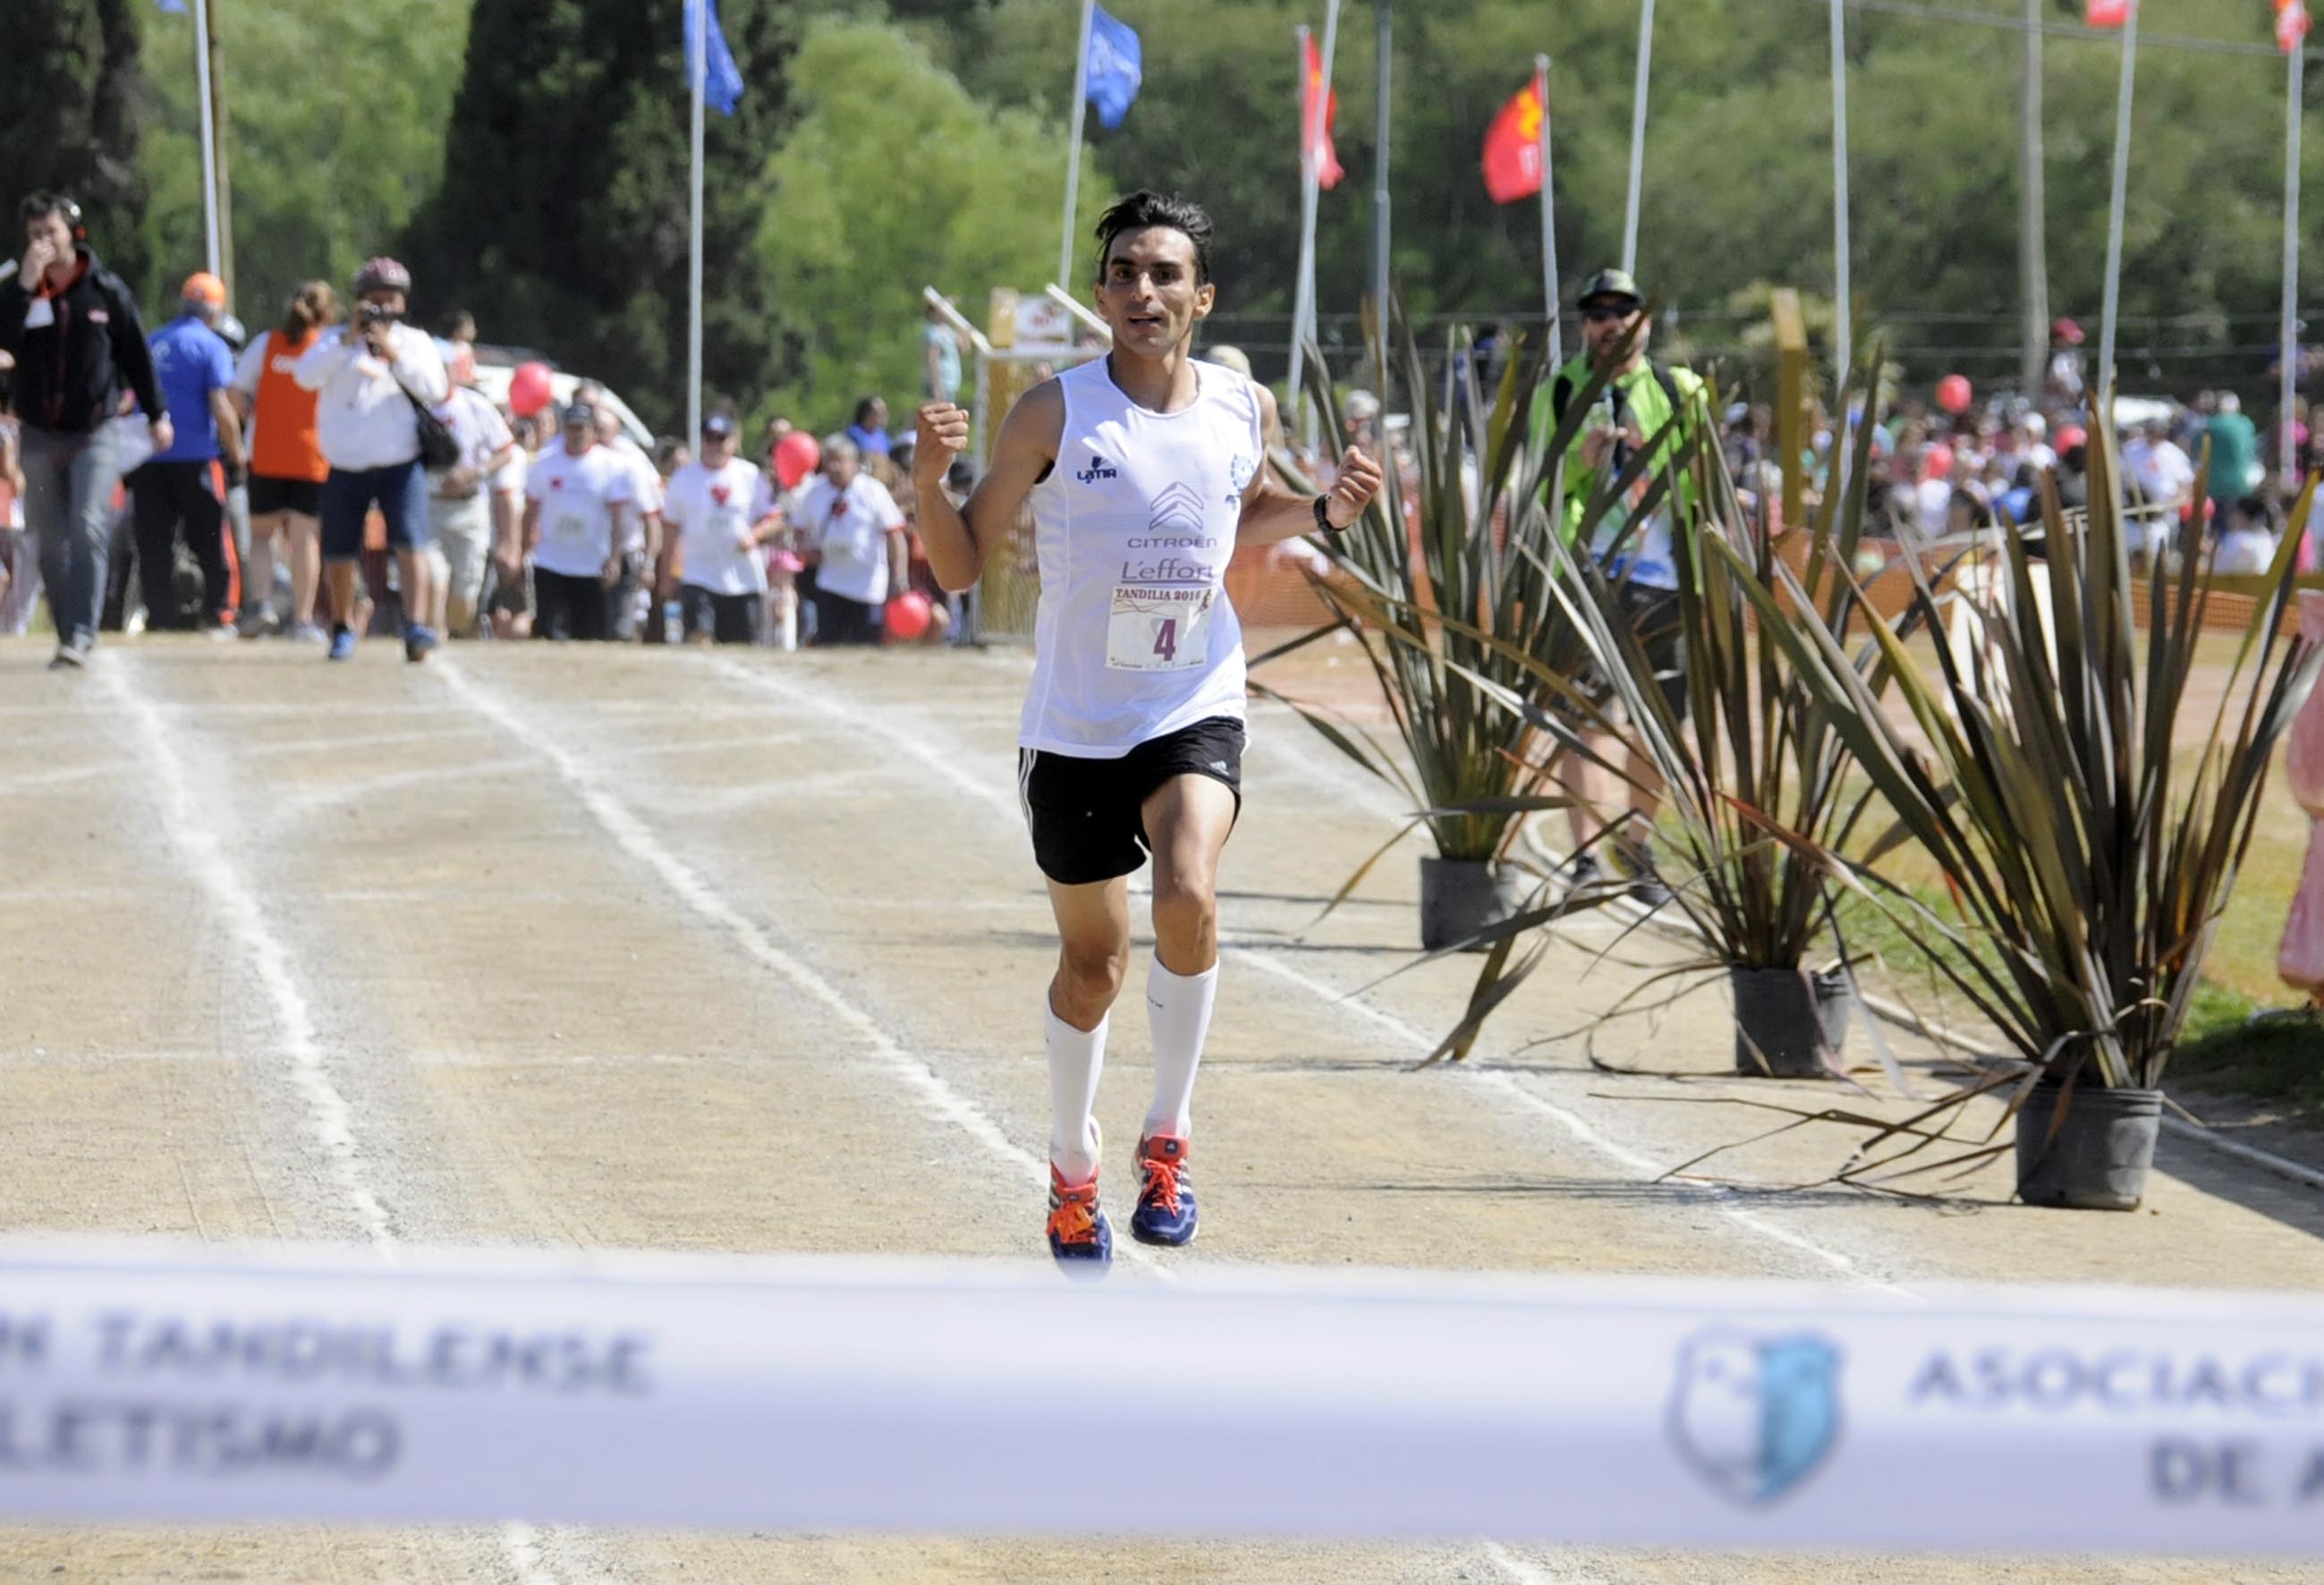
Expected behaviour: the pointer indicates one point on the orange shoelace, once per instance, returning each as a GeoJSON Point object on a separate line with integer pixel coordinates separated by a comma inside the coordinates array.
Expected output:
{"type": "Point", "coordinates": [1161, 1182]}
{"type": "Point", "coordinates": [1072, 1220]}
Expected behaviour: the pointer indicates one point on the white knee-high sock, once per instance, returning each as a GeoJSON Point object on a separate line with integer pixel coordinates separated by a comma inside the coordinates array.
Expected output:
{"type": "Point", "coordinates": [1178, 1011]}
{"type": "Point", "coordinates": [1075, 1061]}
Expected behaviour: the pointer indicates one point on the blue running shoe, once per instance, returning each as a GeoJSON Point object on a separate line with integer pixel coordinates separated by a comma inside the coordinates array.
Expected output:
{"type": "Point", "coordinates": [343, 642]}
{"type": "Point", "coordinates": [1166, 1211]}
{"type": "Point", "coordinates": [1078, 1230]}
{"type": "Point", "coordinates": [419, 638]}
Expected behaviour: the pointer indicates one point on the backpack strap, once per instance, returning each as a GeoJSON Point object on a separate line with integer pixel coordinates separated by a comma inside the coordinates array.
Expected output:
{"type": "Point", "coordinates": [1561, 392]}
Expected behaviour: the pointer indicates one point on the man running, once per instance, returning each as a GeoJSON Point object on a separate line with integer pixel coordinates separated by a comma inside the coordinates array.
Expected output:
{"type": "Point", "coordinates": [721, 512]}
{"type": "Point", "coordinates": [577, 500]}
{"type": "Point", "coordinates": [1145, 470]}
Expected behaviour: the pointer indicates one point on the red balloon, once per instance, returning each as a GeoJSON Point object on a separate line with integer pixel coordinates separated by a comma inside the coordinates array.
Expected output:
{"type": "Point", "coordinates": [528, 390]}
{"type": "Point", "coordinates": [795, 457]}
{"type": "Point", "coordinates": [908, 616]}
{"type": "Point", "coordinates": [1953, 393]}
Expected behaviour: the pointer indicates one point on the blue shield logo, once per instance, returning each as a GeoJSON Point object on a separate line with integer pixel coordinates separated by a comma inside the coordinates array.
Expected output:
{"type": "Point", "coordinates": [1755, 1416]}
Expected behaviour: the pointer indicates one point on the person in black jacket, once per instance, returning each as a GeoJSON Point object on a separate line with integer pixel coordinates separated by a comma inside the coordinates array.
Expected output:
{"type": "Point", "coordinates": [74, 332]}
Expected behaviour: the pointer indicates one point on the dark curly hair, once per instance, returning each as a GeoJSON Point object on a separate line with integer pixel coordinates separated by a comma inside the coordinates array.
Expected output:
{"type": "Point", "coordinates": [1144, 210]}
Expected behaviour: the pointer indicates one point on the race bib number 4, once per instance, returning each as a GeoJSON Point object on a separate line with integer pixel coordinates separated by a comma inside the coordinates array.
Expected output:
{"type": "Point", "coordinates": [1159, 629]}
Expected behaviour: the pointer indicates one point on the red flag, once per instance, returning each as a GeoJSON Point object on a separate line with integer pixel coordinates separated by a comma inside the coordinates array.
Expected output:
{"type": "Point", "coordinates": [2106, 13]}
{"type": "Point", "coordinates": [1319, 105]}
{"type": "Point", "coordinates": [2290, 23]}
{"type": "Point", "coordinates": [1512, 148]}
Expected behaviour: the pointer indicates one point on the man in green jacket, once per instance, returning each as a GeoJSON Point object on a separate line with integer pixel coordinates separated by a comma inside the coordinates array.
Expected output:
{"type": "Point", "coordinates": [1638, 406]}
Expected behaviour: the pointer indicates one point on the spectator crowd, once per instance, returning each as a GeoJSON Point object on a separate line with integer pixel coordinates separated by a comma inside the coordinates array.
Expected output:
{"type": "Point", "coordinates": [344, 474]}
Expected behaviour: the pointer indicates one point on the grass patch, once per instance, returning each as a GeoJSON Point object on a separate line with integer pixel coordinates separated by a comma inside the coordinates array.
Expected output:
{"type": "Point", "coordinates": [2277, 1062]}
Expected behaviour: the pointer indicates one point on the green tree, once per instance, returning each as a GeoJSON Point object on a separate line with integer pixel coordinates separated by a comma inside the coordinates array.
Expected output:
{"type": "Point", "coordinates": [894, 179]}
{"type": "Point", "coordinates": [334, 132]}
{"type": "Point", "coordinates": [561, 219]}
{"type": "Point", "coordinates": [74, 103]}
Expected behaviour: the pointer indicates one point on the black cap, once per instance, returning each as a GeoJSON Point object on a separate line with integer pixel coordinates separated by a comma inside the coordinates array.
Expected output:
{"type": "Point", "coordinates": [1610, 283]}
{"type": "Point", "coordinates": [718, 424]}
{"type": "Point", "coordinates": [580, 412]}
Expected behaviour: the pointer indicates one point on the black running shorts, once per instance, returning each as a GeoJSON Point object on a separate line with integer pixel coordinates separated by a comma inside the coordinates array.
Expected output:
{"type": "Point", "coordinates": [1087, 814]}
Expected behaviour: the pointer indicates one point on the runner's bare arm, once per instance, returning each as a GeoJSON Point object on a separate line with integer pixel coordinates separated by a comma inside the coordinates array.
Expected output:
{"type": "Point", "coordinates": [1272, 513]}
{"type": "Point", "coordinates": [958, 538]}
{"type": "Point", "coordinates": [531, 531]}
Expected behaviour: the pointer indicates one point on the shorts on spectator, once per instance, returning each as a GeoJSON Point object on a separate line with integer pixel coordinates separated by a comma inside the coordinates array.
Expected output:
{"type": "Point", "coordinates": [567, 607]}
{"type": "Point", "coordinates": [401, 493]}
{"type": "Point", "coordinates": [270, 496]}
{"type": "Point", "coordinates": [728, 619]}
{"type": "Point", "coordinates": [463, 535]}
{"type": "Point", "coordinates": [1653, 615]}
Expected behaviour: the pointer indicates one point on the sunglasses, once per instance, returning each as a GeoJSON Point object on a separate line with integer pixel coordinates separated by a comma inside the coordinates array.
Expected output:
{"type": "Point", "coordinates": [1605, 313]}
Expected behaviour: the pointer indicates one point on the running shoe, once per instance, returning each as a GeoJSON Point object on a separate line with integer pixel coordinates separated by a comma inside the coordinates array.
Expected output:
{"type": "Point", "coordinates": [1165, 1198]}
{"type": "Point", "coordinates": [260, 623]}
{"type": "Point", "coordinates": [308, 632]}
{"type": "Point", "coordinates": [1078, 1230]}
{"type": "Point", "coordinates": [343, 643]}
{"type": "Point", "coordinates": [1583, 874]}
{"type": "Point", "coordinates": [71, 655]}
{"type": "Point", "coordinates": [418, 639]}
{"type": "Point", "coordinates": [1648, 890]}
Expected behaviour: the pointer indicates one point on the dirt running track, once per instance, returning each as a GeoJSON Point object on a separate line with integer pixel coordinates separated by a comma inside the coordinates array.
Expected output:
{"type": "Point", "coordinates": [619, 947]}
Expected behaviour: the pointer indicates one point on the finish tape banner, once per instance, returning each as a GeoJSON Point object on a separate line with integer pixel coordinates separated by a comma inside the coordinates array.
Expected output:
{"type": "Point", "coordinates": [155, 1382]}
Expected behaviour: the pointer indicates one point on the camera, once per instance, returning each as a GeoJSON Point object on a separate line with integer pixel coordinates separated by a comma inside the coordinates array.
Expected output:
{"type": "Point", "coordinates": [375, 314]}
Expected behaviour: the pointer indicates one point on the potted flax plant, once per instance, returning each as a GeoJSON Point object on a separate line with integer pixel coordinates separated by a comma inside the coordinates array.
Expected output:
{"type": "Point", "coordinates": [2086, 843]}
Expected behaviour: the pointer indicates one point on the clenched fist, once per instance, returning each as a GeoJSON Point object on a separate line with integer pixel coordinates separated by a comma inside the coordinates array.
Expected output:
{"type": "Point", "coordinates": [942, 435]}
{"type": "Point", "coordinates": [1360, 480]}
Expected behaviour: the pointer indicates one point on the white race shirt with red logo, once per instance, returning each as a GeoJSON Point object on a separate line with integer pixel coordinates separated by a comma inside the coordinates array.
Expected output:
{"type": "Point", "coordinates": [709, 510]}
{"type": "Point", "coordinates": [577, 495]}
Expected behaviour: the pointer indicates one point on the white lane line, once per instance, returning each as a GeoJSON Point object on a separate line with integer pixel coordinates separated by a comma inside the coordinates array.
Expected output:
{"type": "Point", "coordinates": [637, 840]}
{"type": "Point", "coordinates": [861, 714]}
{"type": "Point", "coordinates": [329, 1118]}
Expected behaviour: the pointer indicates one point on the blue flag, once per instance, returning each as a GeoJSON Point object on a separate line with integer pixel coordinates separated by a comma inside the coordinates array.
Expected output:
{"type": "Point", "coordinates": [1115, 68]}
{"type": "Point", "coordinates": [174, 7]}
{"type": "Point", "coordinates": [721, 80]}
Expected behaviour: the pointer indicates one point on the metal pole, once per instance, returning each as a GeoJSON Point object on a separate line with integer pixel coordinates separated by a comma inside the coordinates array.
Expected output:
{"type": "Point", "coordinates": [2290, 393]}
{"type": "Point", "coordinates": [1323, 111]}
{"type": "Point", "coordinates": [2033, 240]}
{"type": "Point", "coordinates": [1074, 150]}
{"type": "Point", "coordinates": [1638, 135]}
{"type": "Point", "coordinates": [2102, 377]}
{"type": "Point", "coordinates": [209, 137]}
{"type": "Point", "coordinates": [1549, 287]}
{"type": "Point", "coordinates": [1844, 308]}
{"type": "Point", "coordinates": [1304, 289]}
{"type": "Point", "coordinates": [699, 73]}
{"type": "Point", "coordinates": [1380, 177]}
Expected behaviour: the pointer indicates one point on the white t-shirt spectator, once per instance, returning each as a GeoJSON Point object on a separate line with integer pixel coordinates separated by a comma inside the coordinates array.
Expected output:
{"type": "Point", "coordinates": [1933, 506]}
{"type": "Point", "coordinates": [477, 425]}
{"type": "Point", "coordinates": [710, 510]}
{"type": "Point", "coordinates": [851, 529]}
{"type": "Point", "coordinates": [364, 419]}
{"type": "Point", "coordinates": [2164, 472]}
{"type": "Point", "coordinates": [577, 495]}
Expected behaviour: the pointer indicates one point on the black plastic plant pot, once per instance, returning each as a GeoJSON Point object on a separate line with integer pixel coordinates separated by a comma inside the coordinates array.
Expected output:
{"type": "Point", "coordinates": [2099, 1152]}
{"type": "Point", "coordinates": [1789, 1023]}
{"type": "Point", "coordinates": [1461, 896]}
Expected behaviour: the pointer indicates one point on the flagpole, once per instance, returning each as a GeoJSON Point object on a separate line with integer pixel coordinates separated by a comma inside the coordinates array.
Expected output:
{"type": "Point", "coordinates": [1303, 304]}
{"type": "Point", "coordinates": [1843, 310]}
{"type": "Point", "coordinates": [1074, 150]}
{"type": "Point", "coordinates": [1380, 180]}
{"type": "Point", "coordinates": [2102, 377]}
{"type": "Point", "coordinates": [1637, 135]}
{"type": "Point", "coordinates": [699, 71]}
{"type": "Point", "coordinates": [2288, 344]}
{"type": "Point", "coordinates": [209, 136]}
{"type": "Point", "coordinates": [1549, 287]}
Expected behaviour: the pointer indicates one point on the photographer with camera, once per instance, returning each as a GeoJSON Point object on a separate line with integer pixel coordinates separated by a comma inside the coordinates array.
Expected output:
{"type": "Point", "coordinates": [73, 329]}
{"type": "Point", "coordinates": [378, 377]}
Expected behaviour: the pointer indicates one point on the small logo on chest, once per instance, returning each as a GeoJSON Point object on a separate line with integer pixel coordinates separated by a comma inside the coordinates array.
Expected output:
{"type": "Point", "coordinates": [1099, 469]}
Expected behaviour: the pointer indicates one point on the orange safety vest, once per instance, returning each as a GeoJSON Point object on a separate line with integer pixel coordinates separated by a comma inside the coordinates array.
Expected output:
{"type": "Point", "coordinates": [284, 445]}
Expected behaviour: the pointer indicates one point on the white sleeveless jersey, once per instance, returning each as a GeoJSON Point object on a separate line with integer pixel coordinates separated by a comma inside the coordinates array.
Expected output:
{"type": "Point", "coordinates": [1135, 638]}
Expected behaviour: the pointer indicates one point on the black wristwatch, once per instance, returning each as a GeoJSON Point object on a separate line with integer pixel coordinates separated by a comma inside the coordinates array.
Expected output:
{"type": "Point", "coordinates": [1324, 523]}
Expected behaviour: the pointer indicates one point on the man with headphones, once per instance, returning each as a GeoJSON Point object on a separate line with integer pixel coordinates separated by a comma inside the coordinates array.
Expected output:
{"type": "Point", "coordinates": [73, 329]}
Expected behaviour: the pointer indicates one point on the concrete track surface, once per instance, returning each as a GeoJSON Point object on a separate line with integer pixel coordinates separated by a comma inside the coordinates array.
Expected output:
{"type": "Point", "coordinates": [607, 948]}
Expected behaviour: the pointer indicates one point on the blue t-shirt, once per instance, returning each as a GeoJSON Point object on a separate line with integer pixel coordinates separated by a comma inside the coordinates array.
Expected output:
{"type": "Point", "coordinates": [190, 360]}
{"type": "Point", "coordinates": [869, 442]}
